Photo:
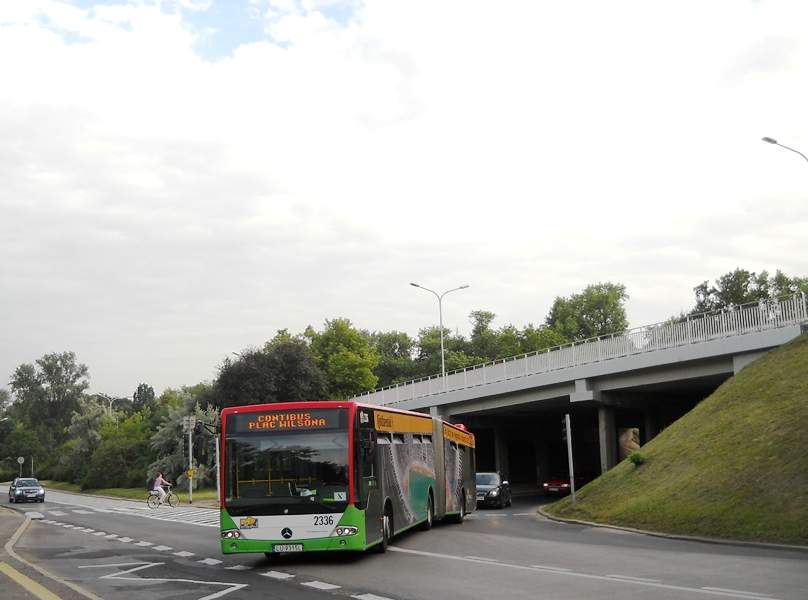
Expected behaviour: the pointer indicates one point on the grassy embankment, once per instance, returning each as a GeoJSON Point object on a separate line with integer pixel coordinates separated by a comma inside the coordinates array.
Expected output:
{"type": "Point", "coordinates": [735, 467]}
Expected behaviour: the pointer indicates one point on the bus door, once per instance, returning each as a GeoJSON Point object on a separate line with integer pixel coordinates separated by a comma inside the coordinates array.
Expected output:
{"type": "Point", "coordinates": [368, 486]}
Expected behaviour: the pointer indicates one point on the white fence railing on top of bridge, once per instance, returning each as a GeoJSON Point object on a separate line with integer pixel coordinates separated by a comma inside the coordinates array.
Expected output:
{"type": "Point", "coordinates": [705, 327]}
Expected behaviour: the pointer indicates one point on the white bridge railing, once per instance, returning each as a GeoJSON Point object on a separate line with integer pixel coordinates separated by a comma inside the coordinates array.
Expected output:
{"type": "Point", "coordinates": [748, 318]}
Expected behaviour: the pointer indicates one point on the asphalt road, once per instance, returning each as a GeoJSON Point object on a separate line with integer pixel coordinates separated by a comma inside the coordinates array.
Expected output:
{"type": "Point", "coordinates": [119, 549]}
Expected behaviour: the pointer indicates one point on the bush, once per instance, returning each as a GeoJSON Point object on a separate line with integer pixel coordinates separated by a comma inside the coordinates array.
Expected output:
{"type": "Point", "coordinates": [118, 463]}
{"type": "Point", "coordinates": [637, 458]}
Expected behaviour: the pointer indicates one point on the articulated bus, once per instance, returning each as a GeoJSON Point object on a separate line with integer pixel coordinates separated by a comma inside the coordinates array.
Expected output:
{"type": "Point", "coordinates": [323, 475]}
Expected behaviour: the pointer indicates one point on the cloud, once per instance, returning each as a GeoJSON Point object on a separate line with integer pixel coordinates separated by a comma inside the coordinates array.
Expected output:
{"type": "Point", "coordinates": [180, 180]}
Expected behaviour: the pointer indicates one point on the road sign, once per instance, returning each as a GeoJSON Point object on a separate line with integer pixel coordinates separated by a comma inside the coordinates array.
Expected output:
{"type": "Point", "coordinates": [190, 472]}
{"type": "Point", "coordinates": [20, 459]}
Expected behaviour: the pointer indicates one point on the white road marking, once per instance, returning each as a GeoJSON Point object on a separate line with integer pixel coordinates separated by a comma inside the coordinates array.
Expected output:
{"type": "Point", "coordinates": [625, 581]}
{"type": "Point", "coordinates": [238, 568]}
{"type": "Point", "coordinates": [634, 578]}
{"type": "Point", "coordinates": [370, 597]}
{"type": "Point", "coordinates": [210, 561]}
{"type": "Point", "coordinates": [277, 575]}
{"type": "Point", "coordinates": [750, 594]}
{"type": "Point", "coordinates": [121, 575]}
{"type": "Point", "coordinates": [57, 513]}
{"type": "Point", "coordinates": [546, 568]}
{"type": "Point", "coordinates": [184, 554]}
{"type": "Point", "coordinates": [321, 585]}
{"type": "Point", "coordinates": [144, 544]}
{"type": "Point", "coordinates": [161, 548]}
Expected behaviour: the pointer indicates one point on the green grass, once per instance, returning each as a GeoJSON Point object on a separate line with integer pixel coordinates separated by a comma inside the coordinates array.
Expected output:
{"type": "Point", "coordinates": [735, 467]}
{"type": "Point", "coordinates": [207, 495]}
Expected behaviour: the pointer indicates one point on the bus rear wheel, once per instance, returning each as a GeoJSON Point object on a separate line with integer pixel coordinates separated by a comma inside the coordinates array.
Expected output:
{"type": "Point", "coordinates": [461, 516]}
{"type": "Point", "coordinates": [430, 515]}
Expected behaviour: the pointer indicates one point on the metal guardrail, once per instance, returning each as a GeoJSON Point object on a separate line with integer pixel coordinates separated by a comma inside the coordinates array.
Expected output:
{"type": "Point", "coordinates": [705, 327]}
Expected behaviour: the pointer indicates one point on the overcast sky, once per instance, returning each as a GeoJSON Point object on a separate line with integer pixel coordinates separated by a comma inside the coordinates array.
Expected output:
{"type": "Point", "coordinates": [181, 179]}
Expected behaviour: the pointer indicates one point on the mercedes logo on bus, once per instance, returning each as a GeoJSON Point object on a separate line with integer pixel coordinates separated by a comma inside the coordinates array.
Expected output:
{"type": "Point", "coordinates": [286, 533]}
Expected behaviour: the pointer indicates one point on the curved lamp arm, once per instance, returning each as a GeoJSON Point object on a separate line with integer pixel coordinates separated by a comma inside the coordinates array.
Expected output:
{"type": "Point", "coordinates": [769, 140]}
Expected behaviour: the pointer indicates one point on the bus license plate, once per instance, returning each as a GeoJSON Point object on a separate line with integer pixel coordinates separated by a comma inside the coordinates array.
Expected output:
{"type": "Point", "coordinates": [287, 548]}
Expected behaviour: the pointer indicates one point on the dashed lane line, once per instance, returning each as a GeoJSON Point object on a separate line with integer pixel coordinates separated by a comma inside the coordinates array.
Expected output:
{"type": "Point", "coordinates": [624, 579]}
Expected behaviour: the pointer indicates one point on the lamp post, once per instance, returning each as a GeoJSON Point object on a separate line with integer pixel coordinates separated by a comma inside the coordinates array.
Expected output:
{"type": "Point", "coordinates": [108, 399]}
{"type": "Point", "coordinates": [776, 143]}
{"type": "Point", "coordinates": [111, 400]}
{"type": "Point", "coordinates": [440, 315]}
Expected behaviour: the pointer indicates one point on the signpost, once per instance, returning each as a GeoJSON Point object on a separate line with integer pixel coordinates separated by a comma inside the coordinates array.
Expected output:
{"type": "Point", "coordinates": [20, 460]}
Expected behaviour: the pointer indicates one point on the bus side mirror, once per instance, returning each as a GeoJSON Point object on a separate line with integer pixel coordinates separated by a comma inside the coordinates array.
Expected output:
{"type": "Point", "coordinates": [368, 451]}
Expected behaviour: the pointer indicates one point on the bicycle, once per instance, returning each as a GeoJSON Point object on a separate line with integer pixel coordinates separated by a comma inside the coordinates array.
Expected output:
{"type": "Point", "coordinates": [170, 498]}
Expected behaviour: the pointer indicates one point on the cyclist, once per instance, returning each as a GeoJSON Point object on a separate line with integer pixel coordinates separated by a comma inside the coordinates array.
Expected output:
{"type": "Point", "coordinates": [159, 482]}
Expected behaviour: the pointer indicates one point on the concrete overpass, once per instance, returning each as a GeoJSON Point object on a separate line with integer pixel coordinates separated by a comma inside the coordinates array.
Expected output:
{"type": "Point", "coordinates": [615, 388]}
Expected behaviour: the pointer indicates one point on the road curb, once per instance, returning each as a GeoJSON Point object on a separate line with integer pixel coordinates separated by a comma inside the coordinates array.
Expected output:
{"type": "Point", "coordinates": [673, 536]}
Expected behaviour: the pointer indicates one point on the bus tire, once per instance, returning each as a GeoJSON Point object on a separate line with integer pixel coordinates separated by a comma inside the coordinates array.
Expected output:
{"type": "Point", "coordinates": [387, 530]}
{"type": "Point", "coordinates": [461, 516]}
{"type": "Point", "coordinates": [430, 514]}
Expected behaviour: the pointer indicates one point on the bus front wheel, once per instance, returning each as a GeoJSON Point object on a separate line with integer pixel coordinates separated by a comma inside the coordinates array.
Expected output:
{"type": "Point", "coordinates": [387, 531]}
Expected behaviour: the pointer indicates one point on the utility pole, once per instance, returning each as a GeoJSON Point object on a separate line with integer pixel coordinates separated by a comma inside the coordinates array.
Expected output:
{"type": "Point", "coordinates": [567, 433]}
{"type": "Point", "coordinates": [191, 425]}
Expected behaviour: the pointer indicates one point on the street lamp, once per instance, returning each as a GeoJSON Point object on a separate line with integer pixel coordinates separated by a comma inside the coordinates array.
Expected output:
{"type": "Point", "coordinates": [440, 314]}
{"type": "Point", "coordinates": [110, 400]}
{"type": "Point", "coordinates": [776, 143]}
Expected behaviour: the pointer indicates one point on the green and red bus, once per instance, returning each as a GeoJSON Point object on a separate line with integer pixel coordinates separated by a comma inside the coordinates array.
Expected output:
{"type": "Point", "coordinates": [325, 475]}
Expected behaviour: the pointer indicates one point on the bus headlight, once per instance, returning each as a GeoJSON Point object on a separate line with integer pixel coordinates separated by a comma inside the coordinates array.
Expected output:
{"type": "Point", "coordinates": [343, 530]}
{"type": "Point", "coordinates": [231, 534]}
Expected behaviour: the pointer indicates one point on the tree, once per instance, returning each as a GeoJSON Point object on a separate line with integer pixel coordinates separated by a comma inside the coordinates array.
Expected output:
{"type": "Point", "coordinates": [297, 376]}
{"type": "Point", "coordinates": [168, 441]}
{"type": "Point", "coordinates": [598, 310]}
{"type": "Point", "coordinates": [48, 394]}
{"type": "Point", "coordinates": [345, 357]}
{"type": "Point", "coordinates": [85, 431]}
{"type": "Point", "coordinates": [285, 372]}
{"type": "Point", "coordinates": [5, 401]}
{"type": "Point", "coordinates": [23, 442]}
{"type": "Point", "coordinates": [533, 339]}
{"type": "Point", "coordinates": [485, 342]}
{"type": "Point", "coordinates": [395, 351]}
{"type": "Point", "coordinates": [123, 456]}
{"type": "Point", "coordinates": [740, 287]}
{"type": "Point", "coordinates": [143, 397]}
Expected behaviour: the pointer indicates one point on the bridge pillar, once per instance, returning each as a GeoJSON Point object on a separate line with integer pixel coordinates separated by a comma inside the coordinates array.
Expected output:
{"type": "Point", "coordinates": [436, 412]}
{"type": "Point", "coordinates": [500, 451]}
{"type": "Point", "coordinates": [650, 425]}
{"type": "Point", "coordinates": [608, 438]}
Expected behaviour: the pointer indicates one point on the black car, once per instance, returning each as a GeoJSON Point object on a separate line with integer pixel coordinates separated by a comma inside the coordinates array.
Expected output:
{"type": "Point", "coordinates": [26, 489]}
{"type": "Point", "coordinates": [493, 490]}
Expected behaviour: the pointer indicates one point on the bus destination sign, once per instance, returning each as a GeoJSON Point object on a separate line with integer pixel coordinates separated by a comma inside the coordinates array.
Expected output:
{"type": "Point", "coordinates": [285, 420]}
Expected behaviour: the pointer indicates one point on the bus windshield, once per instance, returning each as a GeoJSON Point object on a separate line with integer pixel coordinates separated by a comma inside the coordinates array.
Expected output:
{"type": "Point", "coordinates": [286, 471]}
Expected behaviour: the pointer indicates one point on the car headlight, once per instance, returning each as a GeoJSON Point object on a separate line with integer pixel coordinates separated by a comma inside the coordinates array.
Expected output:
{"type": "Point", "coordinates": [231, 534]}
{"type": "Point", "coordinates": [494, 492]}
{"type": "Point", "coordinates": [343, 530]}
